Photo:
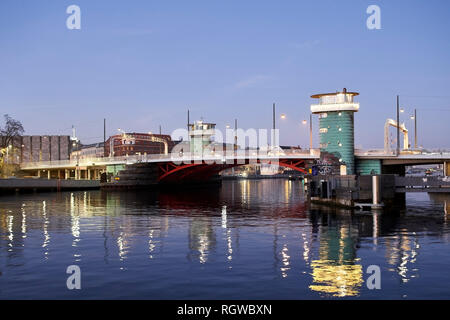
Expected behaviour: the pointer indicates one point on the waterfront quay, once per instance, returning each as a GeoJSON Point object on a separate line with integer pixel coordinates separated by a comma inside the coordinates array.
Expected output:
{"type": "Point", "coordinates": [52, 185]}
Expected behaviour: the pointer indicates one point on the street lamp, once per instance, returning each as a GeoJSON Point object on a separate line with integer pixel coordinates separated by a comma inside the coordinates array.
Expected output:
{"type": "Point", "coordinates": [414, 117]}
{"type": "Point", "coordinates": [7, 153]}
{"type": "Point", "coordinates": [283, 116]}
{"type": "Point", "coordinates": [304, 122]}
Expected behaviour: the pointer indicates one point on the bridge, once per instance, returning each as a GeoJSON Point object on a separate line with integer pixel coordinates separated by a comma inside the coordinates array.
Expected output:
{"type": "Point", "coordinates": [170, 167]}
{"type": "Point", "coordinates": [187, 166]}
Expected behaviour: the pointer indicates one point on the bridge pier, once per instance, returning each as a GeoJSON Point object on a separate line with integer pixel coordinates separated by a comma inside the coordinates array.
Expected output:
{"type": "Point", "coordinates": [446, 168]}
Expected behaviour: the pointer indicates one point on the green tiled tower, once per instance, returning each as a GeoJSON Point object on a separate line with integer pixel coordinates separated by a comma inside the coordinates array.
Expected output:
{"type": "Point", "coordinates": [336, 119]}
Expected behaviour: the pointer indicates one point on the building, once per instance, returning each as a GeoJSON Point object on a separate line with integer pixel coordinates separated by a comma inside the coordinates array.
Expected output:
{"type": "Point", "coordinates": [138, 143]}
{"type": "Point", "coordinates": [95, 150]}
{"type": "Point", "coordinates": [336, 121]}
{"type": "Point", "coordinates": [41, 148]}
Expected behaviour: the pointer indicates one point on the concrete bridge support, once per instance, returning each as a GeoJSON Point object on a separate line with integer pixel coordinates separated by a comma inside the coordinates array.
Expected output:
{"type": "Point", "coordinates": [446, 168]}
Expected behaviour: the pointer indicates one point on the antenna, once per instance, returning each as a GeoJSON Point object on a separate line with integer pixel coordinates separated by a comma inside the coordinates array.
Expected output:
{"type": "Point", "coordinates": [188, 120]}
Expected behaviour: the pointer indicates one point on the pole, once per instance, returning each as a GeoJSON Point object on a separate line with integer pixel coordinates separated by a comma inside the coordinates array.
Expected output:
{"type": "Point", "coordinates": [310, 132]}
{"type": "Point", "coordinates": [104, 137]}
{"type": "Point", "coordinates": [160, 137]}
{"type": "Point", "coordinates": [273, 116]}
{"type": "Point", "coordinates": [235, 134]}
{"type": "Point", "coordinates": [273, 127]}
{"type": "Point", "coordinates": [398, 125]}
{"type": "Point", "coordinates": [188, 123]}
{"type": "Point", "coordinates": [415, 129]}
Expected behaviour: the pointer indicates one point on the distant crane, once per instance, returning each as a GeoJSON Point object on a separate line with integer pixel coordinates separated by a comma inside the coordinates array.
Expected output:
{"type": "Point", "coordinates": [402, 127]}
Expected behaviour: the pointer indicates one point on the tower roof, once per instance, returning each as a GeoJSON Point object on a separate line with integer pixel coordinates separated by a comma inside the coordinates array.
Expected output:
{"type": "Point", "coordinates": [344, 91]}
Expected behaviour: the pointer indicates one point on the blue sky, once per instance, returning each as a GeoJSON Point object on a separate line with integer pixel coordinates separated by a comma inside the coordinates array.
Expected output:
{"type": "Point", "coordinates": [141, 64]}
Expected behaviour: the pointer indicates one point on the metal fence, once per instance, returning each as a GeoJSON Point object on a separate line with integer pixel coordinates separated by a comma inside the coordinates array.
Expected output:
{"type": "Point", "coordinates": [214, 156]}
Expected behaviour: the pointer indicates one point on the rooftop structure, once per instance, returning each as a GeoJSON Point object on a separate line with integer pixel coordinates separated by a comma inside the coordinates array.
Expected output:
{"type": "Point", "coordinates": [200, 134]}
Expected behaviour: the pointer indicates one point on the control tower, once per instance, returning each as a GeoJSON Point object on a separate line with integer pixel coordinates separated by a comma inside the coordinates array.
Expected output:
{"type": "Point", "coordinates": [200, 134]}
{"type": "Point", "coordinates": [336, 122]}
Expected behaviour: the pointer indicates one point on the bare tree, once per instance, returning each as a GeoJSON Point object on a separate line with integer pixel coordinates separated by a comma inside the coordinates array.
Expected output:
{"type": "Point", "coordinates": [13, 128]}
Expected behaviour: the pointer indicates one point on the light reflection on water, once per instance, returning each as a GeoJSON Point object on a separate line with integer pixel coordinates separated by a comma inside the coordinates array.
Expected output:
{"type": "Point", "coordinates": [250, 239]}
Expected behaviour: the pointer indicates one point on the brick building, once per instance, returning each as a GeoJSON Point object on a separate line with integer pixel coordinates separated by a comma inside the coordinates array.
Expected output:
{"type": "Point", "coordinates": [138, 143]}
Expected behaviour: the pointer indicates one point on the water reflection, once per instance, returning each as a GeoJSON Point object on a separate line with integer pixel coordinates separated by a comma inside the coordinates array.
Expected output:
{"type": "Point", "coordinates": [337, 270]}
{"type": "Point", "coordinates": [263, 229]}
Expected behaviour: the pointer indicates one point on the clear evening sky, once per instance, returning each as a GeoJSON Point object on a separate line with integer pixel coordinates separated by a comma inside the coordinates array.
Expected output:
{"type": "Point", "coordinates": [141, 63]}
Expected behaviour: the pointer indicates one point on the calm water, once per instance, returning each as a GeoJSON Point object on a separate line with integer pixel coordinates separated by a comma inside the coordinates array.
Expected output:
{"type": "Point", "coordinates": [247, 240]}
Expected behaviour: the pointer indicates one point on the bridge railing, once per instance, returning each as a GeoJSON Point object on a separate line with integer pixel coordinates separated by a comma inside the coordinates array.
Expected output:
{"type": "Point", "coordinates": [182, 157]}
{"type": "Point", "coordinates": [411, 153]}
{"type": "Point", "coordinates": [91, 161]}
{"type": "Point", "coordinates": [411, 181]}
{"type": "Point", "coordinates": [373, 152]}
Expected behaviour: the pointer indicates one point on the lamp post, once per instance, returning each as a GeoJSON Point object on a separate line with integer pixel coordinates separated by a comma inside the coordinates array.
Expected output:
{"type": "Point", "coordinates": [305, 122]}
{"type": "Point", "coordinates": [398, 125]}
{"type": "Point", "coordinates": [310, 132]}
{"type": "Point", "coordinates": [7, 153]}
{"type": "Point", "coordinates": [414, 117]}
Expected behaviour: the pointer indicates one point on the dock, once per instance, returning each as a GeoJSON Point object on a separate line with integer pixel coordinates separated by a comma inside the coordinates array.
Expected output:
{"type": "Point", "coordinates": [38, 185]}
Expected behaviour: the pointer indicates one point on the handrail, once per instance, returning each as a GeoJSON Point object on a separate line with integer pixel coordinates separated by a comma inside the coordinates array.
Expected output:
{"type": "Point", "coordinates": [248, 153]}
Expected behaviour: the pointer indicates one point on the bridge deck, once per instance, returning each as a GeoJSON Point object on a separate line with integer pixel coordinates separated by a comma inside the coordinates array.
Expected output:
{"type": "Point", "coordinates": [240, 156]}
{"type": "Point", "coordinates": [422, 184]}
{"type": "Point", "coordinates": [387, 159]}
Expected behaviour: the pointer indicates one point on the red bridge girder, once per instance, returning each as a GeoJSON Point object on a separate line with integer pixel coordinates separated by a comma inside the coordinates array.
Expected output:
{"type": "Point", "coordinates": [169, 171]}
